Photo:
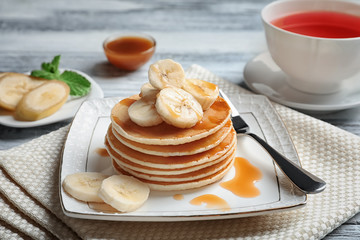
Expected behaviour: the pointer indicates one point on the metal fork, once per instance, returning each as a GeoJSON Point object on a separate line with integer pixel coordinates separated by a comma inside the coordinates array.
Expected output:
{"type": "Point", "coordinates": [304, 180]}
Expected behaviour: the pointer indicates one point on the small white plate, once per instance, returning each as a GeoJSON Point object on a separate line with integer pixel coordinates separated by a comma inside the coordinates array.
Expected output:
{"type": "Point", "coordinates": [263, 76]}
{"type": "Point", "coordinates": [86, 136]}
{"type": "Point", "coordinates": [68, 110]}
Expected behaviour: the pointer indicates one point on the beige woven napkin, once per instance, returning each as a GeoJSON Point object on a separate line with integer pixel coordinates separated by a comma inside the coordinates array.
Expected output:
{"type": "Point", "coordinates": [30, 205]}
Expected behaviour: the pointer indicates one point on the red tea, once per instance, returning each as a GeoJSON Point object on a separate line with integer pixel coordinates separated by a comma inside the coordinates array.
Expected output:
{"type": "Point", "coordinates": [323, 24]}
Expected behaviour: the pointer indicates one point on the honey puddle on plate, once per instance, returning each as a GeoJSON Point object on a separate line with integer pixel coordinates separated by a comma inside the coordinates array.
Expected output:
{"type": "Point", "coordinates": [211, 201]}
{"type": "Point", "coordinates": [243, 183]}
{"type": "Point", "coordinates": [178, 197]}
{"type": "Point", "coordinates": [102, 152]}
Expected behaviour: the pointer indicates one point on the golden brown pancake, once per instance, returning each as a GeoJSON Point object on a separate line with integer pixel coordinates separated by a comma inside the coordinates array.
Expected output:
{"type": "Point", "coordinates": [194, 175]}
{"type": "Point", "coordinates": [184, 185]}
{"type": "Point", "coordinates": [163, 171]}
{"type": "Point", "coordinates": [190, 148]}
{"type": "Point", "coordinates": [171, 162]}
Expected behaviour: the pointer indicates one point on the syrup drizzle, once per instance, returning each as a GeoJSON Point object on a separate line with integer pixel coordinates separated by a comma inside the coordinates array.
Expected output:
{"type": "Point", "coordinates": [102, 152]}
{"type": "Point", "coordinates": [211, 201]}
{"type": "Point", "coordinates": [178, 197]}
{"type": "Point", "coordinates": [243, 183]}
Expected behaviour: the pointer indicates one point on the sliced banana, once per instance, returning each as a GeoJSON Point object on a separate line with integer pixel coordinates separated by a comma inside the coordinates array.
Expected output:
{"type": "Point", "coordinates": [144, 113]}
{"type": "Point", "coordinates": [165, 73]}
{"type": "Point", "coordinates": [13, 86]}
{"type": "Point", "coordinates": [178, 107]}
{"type": "Point", "coordinates": [148, 92]}
{"type": "Point", "coordinates": [42, 101]}
{"type": "Point", "coordinates": [204, 92]}
{"type": "Point", "coordinates": [124, 193]}
{"type": "Point", "coordinates": [84, 186]}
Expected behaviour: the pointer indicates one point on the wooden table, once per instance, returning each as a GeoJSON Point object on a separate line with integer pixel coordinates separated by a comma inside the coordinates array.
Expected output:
{"type": "Point", "coordinates": [218, 35]}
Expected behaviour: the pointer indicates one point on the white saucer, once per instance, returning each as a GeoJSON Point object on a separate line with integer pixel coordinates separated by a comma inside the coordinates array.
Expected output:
{"type": "Point", "coordinates": [263, 76]}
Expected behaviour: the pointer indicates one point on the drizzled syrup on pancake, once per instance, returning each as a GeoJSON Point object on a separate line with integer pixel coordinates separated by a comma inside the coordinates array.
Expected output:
{"type": "Point", "coordinates": [216, 115]}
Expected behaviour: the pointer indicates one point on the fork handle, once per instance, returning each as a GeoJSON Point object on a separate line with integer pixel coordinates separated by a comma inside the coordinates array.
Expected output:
{"type": "Point", "coordinates": [304, 180]}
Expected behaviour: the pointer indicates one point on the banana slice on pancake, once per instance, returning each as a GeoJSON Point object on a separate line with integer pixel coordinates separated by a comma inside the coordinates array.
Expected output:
{"type": "Point", "coordinates": [144, 113]}
{"type": "Point", "coordinates": [178, 107]}
{"type": "Point", "coordinates": [148, 92]}
{"type": "Point", "coordinates": [165, 73]}
{"type": "Point", "coordinates": [124, 193]}
{"type": "Point", "coordinates": [204, 92]}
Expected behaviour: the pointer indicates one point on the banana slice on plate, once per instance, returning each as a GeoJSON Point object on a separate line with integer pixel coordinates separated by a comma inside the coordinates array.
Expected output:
{"type": "Point", "coordinates": [148, 92]}
{"type": "Point", "coordinates": [42, 101]}
{"type": "Point", "coordinates": [144, 113]}
{"type": "Point", "coordinates": [178, 107]}
{"type": "Point", "coordinates": [84, 186]}
{"type": "Point", "coordinates": [204, 92]}
{"type": "Point", "coordinates": [124, 193]}
{"type": "Point", "coordinates": [165, 73]}
{"type": "Point", "coordinates": [13, 86]}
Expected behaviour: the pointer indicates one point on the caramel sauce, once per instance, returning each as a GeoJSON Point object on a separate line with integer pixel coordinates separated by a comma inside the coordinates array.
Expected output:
{"type": "Point", "coordinates": [127, 101]}
{"type": "Point", "coordinates": [215, 152]}
{"type": "Point", "coordinates": [129, 52]}
{"type": "Point", "coordinates": [102, 152]}
{"type": "Point", "coordinates": [213, 118]}
{"type": "Point", "coordinates": [242, 184]}
{"type": "Point", "coordinates": [178, 197]}
{"type": "Point", "coordinates": [102, 207]}
{"type": "Point", "coordinates": [211, 201]}
{"type": "Point", "coordinates": [200, 90]}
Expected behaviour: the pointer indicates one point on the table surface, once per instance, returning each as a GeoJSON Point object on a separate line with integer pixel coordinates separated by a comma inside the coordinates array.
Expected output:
{"type": "Point", "coordinates": [221, 36]}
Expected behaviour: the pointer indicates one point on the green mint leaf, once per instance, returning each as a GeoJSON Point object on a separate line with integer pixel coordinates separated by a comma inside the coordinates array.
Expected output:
{"type": "Point", "coordinates": [79, 85]}
{"type": "Point", "coordinates": [53, 66]}
{"type": "Point", "coordinates": [43, 74]}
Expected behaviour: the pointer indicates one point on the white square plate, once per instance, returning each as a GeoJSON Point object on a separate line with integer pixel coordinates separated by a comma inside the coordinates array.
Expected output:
{"type": "Point", "coordinates": [86, 138]}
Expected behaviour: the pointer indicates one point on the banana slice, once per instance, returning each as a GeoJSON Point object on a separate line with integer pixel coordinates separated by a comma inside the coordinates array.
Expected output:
{"type": "Point", "coordinates": [13, 86]}
{"type": "Point", "coordinates": [148, 92]}
{"type": "Point", "coordinates": [178, 107]}
{"type": "Point", "coordinates": [165, 73]}
{"type": "Point", "coordinates": [124, 193]}
{"type": "Point", "coordinates": [144, 113]}
{"type": "Point", "coordinates": [84, 186]}
{"type": "Point", "coordinates": [204, 92]}
{"type": "Point", "coordinates": [42, 101]}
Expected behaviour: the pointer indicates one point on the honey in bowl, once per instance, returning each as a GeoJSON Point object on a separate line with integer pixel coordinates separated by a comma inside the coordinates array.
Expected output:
{"type": "Point", "coordinates": [129, 52]}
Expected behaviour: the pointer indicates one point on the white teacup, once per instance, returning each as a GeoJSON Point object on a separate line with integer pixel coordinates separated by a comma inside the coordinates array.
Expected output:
{"type": "Point", "coordinates": [314, 64]}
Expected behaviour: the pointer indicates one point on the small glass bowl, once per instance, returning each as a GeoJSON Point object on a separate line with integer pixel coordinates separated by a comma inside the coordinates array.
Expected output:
{"type": "Point", "coordinates": [129, 51]}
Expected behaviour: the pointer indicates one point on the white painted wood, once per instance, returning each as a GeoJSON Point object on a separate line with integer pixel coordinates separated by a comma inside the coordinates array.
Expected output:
{"type": "Point", "coordinates": [219, 35]}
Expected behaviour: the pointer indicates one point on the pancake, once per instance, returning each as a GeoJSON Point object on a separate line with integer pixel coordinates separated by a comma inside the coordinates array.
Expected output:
{"type": "Point", "coordinates": [190, 176]}
{"type": "Point", "coordinates": [190, 148]}
{"type": "Point", "coordinates": [164, 134]}
{"type": "Point", "coordinates": [172, 162]}
{"type": "Point", "coordinates": [185, 185]}
{"type": "Point", "coordinates": [162, 171]}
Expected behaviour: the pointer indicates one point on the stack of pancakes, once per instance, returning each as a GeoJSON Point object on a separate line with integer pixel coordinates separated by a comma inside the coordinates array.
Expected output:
{"type": "Point", "coordinates": [170, 158]}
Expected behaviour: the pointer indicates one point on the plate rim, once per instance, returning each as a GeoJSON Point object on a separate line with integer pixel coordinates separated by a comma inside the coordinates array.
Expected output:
{"type": "Point", "coordinates": [159, 218]}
